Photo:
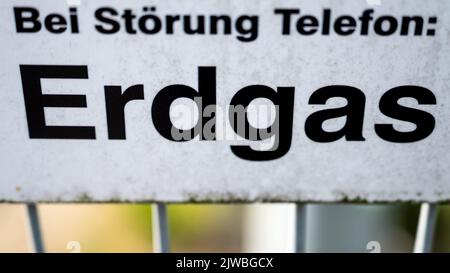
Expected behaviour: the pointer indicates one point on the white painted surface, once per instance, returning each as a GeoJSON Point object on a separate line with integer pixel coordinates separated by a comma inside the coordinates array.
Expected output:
{"type": "Point", "coordinates": [147, 167]}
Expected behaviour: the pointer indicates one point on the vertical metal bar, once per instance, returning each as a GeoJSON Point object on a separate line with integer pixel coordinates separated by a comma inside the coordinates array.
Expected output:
{"type": "Point", "coordinates": [300, 228]}
{"type": "Point", "coordinates": [33, 219]}
{"type": "Point", "coordinates": [160, 228]}
{"type": "Point", "coordinates": [425, 228]}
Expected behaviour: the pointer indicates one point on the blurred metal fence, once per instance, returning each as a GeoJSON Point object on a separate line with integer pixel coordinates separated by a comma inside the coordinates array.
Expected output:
{"type": "Point", "coordinates": [161, 242]}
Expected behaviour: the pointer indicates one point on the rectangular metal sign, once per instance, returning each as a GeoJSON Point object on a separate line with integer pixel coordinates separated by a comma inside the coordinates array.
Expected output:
{"type": "Point", "coordinates": [225, 100]}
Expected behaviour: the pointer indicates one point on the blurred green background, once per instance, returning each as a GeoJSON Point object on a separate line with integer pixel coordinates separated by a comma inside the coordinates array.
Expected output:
{"type": "Point", "coordinates": [192, 228]}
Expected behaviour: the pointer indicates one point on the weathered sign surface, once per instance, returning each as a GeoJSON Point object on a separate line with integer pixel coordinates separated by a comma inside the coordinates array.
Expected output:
{"type": "Point", "coordinates": [225, 100]}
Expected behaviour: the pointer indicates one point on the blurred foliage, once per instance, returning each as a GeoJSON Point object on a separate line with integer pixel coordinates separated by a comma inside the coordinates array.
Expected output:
{"type": "Point", "coordinates": [442, 235]}
{"type": "Point", "coordinates": [210, 228]}
{"type": "Point", "coordinates": [127, 228]}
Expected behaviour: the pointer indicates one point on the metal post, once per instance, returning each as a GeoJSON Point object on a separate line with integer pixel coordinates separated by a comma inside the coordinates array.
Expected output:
{"type": "Point", "coordinates": [160, 228]}
{"type": "Point", "coordinates": [33, 219]}
{"type": "Point", "coordinates": [425, 228]}
{"type": "Point", "coordinates": [300, 228]}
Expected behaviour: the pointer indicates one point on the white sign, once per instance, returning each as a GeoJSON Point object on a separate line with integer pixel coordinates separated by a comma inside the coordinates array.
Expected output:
{"type": "Point", "coordinates": [225, 100]}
